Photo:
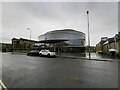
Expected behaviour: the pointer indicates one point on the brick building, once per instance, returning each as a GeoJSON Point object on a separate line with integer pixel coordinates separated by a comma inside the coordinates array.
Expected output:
{"type": "Point", "coordinates": [22, 45]}
{"type": "Point", "coordinates": [104, 46]}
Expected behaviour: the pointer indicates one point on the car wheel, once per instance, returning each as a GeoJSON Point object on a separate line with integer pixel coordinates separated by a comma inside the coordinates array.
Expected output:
{"type": "Point", "coordinates": [48, 55]}
{"type": "Point", "coordinates": [40, 54]}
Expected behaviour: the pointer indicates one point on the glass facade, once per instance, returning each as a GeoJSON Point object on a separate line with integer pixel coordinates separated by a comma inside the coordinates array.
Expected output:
{"type": "Point", "coordinates": [74, 38]}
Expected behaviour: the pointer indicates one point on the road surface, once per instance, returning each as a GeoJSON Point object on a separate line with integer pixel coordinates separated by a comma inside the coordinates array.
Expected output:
{"type": "Point", "coordinates": [21, 71]}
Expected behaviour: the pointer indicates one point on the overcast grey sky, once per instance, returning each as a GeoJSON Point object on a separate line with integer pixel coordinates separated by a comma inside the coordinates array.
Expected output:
{"type": "Point", "coordinates": [42, 17]}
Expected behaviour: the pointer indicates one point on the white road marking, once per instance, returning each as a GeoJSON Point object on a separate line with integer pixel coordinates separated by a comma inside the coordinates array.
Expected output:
{"type": "Point", "coordinates": [2, 86]}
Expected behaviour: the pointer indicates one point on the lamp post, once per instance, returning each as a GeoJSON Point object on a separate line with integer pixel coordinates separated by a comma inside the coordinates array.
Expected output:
{"type": "Point", "coordinates": [30, 32]}
{"type": "Point", "coordinates": [88, 34]}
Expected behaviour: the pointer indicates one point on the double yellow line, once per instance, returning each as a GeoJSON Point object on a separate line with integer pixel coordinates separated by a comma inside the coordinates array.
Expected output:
{"type": "Point", "coordinates": [2, 86]}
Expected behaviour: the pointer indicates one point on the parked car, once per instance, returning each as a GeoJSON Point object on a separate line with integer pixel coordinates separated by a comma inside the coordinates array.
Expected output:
{"type": "Point", "coordinates": [48, 53]}
{"type": "Point", "coordinates": [33, 53]}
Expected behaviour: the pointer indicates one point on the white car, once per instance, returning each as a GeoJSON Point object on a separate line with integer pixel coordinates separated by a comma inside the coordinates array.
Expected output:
{"type": "Point", "coordinates": [45, 52]}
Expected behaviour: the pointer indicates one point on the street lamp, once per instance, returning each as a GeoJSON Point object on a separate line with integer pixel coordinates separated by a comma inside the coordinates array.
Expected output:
{"type": "Point", "coordinates": [30, 32]}
{"type": "Point", "coordinates": [88, 34]}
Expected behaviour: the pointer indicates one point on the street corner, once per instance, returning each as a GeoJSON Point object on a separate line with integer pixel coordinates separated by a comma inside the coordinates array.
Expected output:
{"type": "Point", "coordinates": [2, 86]}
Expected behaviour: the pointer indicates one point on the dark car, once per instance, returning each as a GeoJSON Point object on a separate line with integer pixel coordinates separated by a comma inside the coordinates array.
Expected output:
{"type": "Point", "coordinates": [33, 53]}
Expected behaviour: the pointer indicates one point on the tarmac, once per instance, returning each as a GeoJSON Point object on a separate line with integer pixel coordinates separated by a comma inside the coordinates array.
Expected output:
{"type": "Point", "coordinates": [22, 71]}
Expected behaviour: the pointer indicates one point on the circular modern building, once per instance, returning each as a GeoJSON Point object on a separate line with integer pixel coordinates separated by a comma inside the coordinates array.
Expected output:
{"type": "Point", "coordinates": [63, 38]}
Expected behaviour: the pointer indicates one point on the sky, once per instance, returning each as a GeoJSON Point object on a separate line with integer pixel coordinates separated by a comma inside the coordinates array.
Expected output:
{"type": "Point", "coordinates": [42, 17]}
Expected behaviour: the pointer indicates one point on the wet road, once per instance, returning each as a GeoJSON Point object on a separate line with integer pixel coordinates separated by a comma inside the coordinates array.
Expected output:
{"type": "Point", "coordinates": [21, 71]}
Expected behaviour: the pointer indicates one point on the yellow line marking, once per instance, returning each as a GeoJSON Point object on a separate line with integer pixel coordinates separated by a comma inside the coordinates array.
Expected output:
{"type": "Point", "coordinates": [2, 86]}
{"type": "Point", "coordinates": [74, 79]}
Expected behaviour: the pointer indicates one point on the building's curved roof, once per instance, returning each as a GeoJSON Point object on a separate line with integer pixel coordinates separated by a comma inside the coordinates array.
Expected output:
{"type": "Point", "coordinates": [70, 36]}
{"type": "Point", "coordinates": [64, 31]}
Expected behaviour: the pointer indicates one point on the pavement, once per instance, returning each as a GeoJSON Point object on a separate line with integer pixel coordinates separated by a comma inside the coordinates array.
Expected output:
{"type": "Point", "coordinates": [94, 56]}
